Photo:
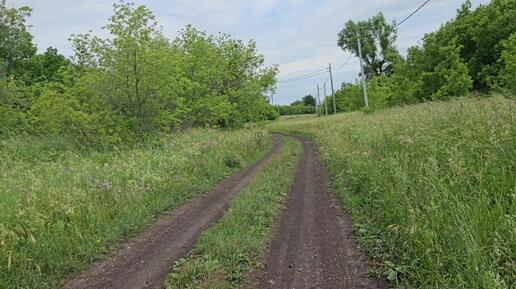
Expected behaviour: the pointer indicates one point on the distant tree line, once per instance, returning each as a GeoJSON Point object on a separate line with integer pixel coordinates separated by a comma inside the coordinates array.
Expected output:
{"type": "Point", "coordinates": [132, 84]}
{"type": "Point", "coordinates": [303, 106]}
{"type": "Point", "coordinates": [476, 51]}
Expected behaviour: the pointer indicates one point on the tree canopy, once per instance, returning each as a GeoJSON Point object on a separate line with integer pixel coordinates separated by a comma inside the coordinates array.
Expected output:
{"type": "Point", "coordinates": [377, 39]}
{"type": "Point", "coordinates": [133, 83]}
{"type": "Point", "coordinates": [472, 52]}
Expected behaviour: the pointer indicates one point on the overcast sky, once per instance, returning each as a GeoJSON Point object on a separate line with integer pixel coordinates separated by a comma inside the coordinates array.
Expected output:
{"type": "Point", "coordinates": [298, 35]}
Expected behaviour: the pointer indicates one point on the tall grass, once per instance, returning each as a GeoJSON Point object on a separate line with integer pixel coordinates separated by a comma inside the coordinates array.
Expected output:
{"type": "Point", "coordinates": [61, 209]}
{"type": "Point", "coordinates": [431, 188]}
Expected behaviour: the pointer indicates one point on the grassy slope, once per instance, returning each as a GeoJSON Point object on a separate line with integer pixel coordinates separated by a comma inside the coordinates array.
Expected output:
{"type": "Point", "coordinates": [227, 252]}
{"type": "Point", "coordinates": [431, 188]}
{"type": "Point", "coordinates": [60, 210]}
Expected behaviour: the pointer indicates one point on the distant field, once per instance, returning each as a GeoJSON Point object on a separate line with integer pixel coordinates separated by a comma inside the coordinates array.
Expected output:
{"type": "Point", "coordinates": [61, 209]}
{"type": "Point", "coordinates": [431, 188]}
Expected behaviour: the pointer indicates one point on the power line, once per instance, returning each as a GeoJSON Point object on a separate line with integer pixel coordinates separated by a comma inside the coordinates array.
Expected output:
{"type": "Point", "coordinates": [306, 76]}
{"type": "Point", "coordinates": [411, 14]}
{"type": "Point", "coordinates": [346, 63]}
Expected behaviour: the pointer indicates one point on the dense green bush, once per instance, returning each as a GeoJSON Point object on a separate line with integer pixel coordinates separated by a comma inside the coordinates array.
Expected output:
{"type": "Point", "coordinates": [132, 84]}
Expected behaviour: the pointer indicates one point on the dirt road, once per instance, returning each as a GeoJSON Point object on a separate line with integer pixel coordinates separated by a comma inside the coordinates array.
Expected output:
{"type": "Point", "coordinates": [145, 261]}
{"type": "Point", "coordinates": [314, 246]}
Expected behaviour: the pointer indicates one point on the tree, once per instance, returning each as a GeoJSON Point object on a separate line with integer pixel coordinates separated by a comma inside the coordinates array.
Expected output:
{"type": "Point", "coordinates": [480, 34]}
{"type": "Point", "coordinates": [16, 45]}
{"type": "Point", "coordinates": [309, 100]}
{"type": "Point", "coordinates": [377, 39]}
{"type": "Point", "coordinates": [46, 67]}
{"type": "Point", "coordinates": [130, 66]}
{"type": "Point", "coordinates": [506, 79]}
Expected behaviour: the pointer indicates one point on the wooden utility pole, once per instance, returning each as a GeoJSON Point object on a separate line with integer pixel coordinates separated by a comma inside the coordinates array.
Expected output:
{"type": "Point", "coordinates": [318, 101]}
{"type": "Point", "coordinates": [332, 91]}
{"type": "Point", "coordinates": [325, 100]}
{"type": "Point", "coordinates": [362, 76]}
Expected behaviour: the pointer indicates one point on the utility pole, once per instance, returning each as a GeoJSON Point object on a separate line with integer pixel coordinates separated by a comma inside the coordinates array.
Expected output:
{"type": "Point", "coordinates": [325, 100]}
{"type": "Point", "coordinates": [362, 76]}
{"type": "Point", "coordinates": [318, 100]}
{"type": "Point", "coordinates": [332, 91]}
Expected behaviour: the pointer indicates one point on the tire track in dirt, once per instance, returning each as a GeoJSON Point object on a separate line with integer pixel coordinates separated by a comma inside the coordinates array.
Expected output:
{"type": "Point", "coordinates": [145, 261]}
{"type": "Point", "coordinates": [314, 246]}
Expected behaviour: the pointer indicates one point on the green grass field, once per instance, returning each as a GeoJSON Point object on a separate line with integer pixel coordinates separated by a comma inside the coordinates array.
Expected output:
{"type": "Point", "coordinates": [60, 209]}
{"type": "Point", "coordinates": [431, 188]}
{"type": "Point", "coordinates": [226, 253]}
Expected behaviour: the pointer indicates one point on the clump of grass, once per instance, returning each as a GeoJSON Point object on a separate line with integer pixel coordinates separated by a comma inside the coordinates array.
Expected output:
{"type": "Point", "coordinates": [431, 188]}
{"type": "Point", "coordinates": [61, 209]}
{"type": "Point", "coordinates": [227, 252]}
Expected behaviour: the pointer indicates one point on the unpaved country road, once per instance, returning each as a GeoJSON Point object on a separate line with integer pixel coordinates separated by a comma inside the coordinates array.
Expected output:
{"type": "Point", "coordinates": [313, 246]}
{"type": "Point", "coordinates": [145, 261]}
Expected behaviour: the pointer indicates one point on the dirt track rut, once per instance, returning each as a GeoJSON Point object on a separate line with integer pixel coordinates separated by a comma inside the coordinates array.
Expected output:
{"type": "Point", "coordinates": [314, 246]}
{"type": "Point", "coordinates": [145, 261]}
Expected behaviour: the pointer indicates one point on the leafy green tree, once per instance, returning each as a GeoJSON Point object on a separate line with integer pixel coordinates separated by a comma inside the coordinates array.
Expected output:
{"type": "Point", "coordinates": [132, 84]}
{"type": "Point", "coordinates": [16, 45]}
{"type": "Point", "coordinates": [377, 39]}
{"type": "Point", "coordinates": [349, 97]}
{"type": "Point", "coordinates": [13, 108]}
{"type": "Point", "coordinates": [47, 67]}
{"type": "Point", "coordinates": [480, 34]}
{"type": "Point", "coordinates": [133, 69]}
{"type": "Point", "coordinates": [309, 100]}
{"type": "Point", "coordinates": [439, 72]}
{"type": "Point", "coordinates": [505, 81]}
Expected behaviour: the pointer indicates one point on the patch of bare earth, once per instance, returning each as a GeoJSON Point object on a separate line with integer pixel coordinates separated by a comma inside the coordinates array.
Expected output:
{"type": "Point", "coordinates": [314, 246]}
{"type": "Point", "coordinates": [145, 261]}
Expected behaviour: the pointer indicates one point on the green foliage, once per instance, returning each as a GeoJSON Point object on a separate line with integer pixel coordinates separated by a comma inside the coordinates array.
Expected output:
{"type": "Point", "coordinates": [61, 209]}
{"type": "Point", "coordinates": [226, 253]}
{"type": "Point", "coordinates": [133, 84]}
{"type": "Point", "coordinates": [377, 39]}
{"type": "Point", "coordinates": [506, 80]}
{"type": "Point", "coordinates": [15, 41]}
{"type": "Point", "coordinates": [441, 73]}
{"type": "Point", "coordinates": [13, 108]}
{"type": "Point", "coordinates": [304, 106]}
{"type": "Point", "coordinates": [430, 187]}
{"type": "Point", "coordinates": [296, 108]}
{"type": "Point", "coordinates": [474, 51]}
{"type": "Point", "coordinates": [309, 100]}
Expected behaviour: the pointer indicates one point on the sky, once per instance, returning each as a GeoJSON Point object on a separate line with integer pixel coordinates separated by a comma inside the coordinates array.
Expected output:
{"type": "Point", "coordinates": [298, 36]}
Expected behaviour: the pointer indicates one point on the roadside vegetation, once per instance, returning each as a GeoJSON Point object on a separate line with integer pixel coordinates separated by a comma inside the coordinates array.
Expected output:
{"type": "Point", "coordinates": [303, 106]}
{"type": "Point", "coordinates": [475, 51]}
{"type": "Point", "coordinates": [431, 188]}
{"type": "Point", "coordinates": [94, 146]}
{"type": "Point", "coordinates": [132, 85]}
{"type": "Point", "coordinates": [226, 253]}
{"type": "Point", "coordinates": [61, 209]}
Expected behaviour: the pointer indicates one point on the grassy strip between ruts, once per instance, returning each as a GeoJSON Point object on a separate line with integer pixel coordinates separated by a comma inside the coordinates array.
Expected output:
{"type": "Point", "coordinates": [61, 209]}
{"type": "Point", "coordinates": [226, 253]}
{"type": "Point", "coordinates": [430, 187]}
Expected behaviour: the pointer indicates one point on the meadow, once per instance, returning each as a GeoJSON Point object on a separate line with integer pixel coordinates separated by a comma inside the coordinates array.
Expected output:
{"type": "Point", "coordinates": [61, 208]}
{"type": "Point", "coordinates": [431, 188]}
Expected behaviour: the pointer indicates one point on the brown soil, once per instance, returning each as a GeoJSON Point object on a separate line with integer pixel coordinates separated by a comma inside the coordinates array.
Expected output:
{"type": "Point", "coordinates": [314, 246]}
{"type": "Point", "coordinates": [145, 261]}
